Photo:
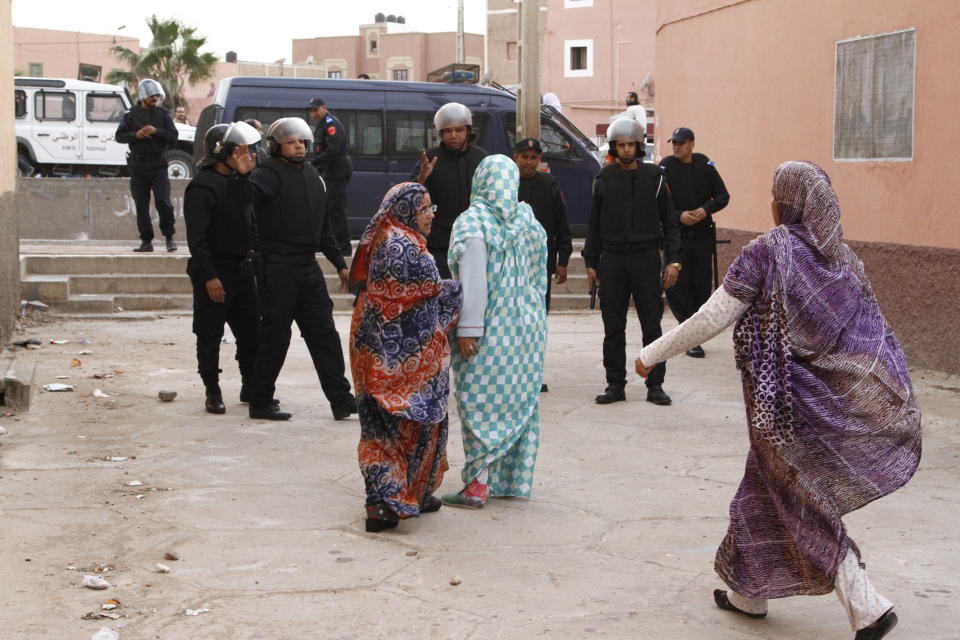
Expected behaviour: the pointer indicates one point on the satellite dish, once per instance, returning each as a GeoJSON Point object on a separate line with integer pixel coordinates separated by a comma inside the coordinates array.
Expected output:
{"type": "Point", "coordinates": [487, 77]}
{"type": "Point", "coordinates": [646, 82]}
{"type": "Point", "coordinates": [309, 59]}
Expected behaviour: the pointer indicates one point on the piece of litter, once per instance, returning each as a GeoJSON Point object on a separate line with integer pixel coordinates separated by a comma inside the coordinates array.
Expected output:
{"type": "Point", "coordinates": [100, 615]}
{"type": "Point", "coordinates": [138, 496]}
{"type": "Point", "coordinates": [97, 393]}
{"type": "Point", "coordinates": [112, 603]}
{"type": "Point", "coordinates": [101, 376]}
{"type": "Point", "coordinates": [27, 342]}
{"type": "Point", "coordinates": [116, 458]}
{"type": "Point", "coordinates": [63, 377]}
{"type": "Point", "coordinates": [84, 353]}
{"type": "Point", "coordinates": [167, 396]}
{"type": "Point", "coordinates": [105, 634]}
{"type": "Point", "coordinates": [59, 341]}
{"type": "Point", "coordinates": [455, 580]}
{"type": "Point", "coordinates": [2, 431]}
{"type": "Point", "coordinates": [134, 483]}
{"type": "Point", "coordinates": [94, 582]}
{"type": "Point", "coordinates": [118, 371]}
{"type": "Point", "coordinates": [171, 555]}
{"type": "Point", "coordinates": [196, 612]}
{"type": "Point", "coordinates": [58, 386]}
{"type": "Point", "coordinates": [34, 346]}
{"type": "Point", "coordinates": [411, 553]}
{"type": "Point", "coordinates": [75, 362]}
{"type": "Point", "coordinates": [161, 568]}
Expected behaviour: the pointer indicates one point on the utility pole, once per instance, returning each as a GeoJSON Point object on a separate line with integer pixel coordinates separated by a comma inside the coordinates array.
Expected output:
{"type": "Point", "coordinates": [461, 56]}
{"type": "Point", "coordinates": [528, 100]}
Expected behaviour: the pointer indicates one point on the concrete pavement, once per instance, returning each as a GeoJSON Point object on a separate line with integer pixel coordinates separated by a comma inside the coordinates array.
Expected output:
{"type": "Point", "coordinates": [617, 542]}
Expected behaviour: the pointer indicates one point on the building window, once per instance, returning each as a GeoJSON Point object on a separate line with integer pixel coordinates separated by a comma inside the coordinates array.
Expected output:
{"type": "Point", "coordinates": [512, 51]}
{"type": "Point", "coordinates": [400, 74]}
{"type": "Point", "coordinates": [89, 72]}
{"type": "Point", "coordinates": [335, 74]}
{"type": "Point", "coordinates": [36, 69]}
{"type": "Point", "coordinates": [578, 58]}
{"type": "Point", "coordinates": [577, 4]}
{"type": "Point", "coordinates": [373, 46]}
{"type": "Point", "coordinates": [874, 99]}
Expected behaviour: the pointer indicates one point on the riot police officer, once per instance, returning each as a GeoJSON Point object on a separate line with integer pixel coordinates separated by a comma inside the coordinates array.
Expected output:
{"type": "Point", "coordinates": [446, 170]}
{"type": "Point", "coordinates": [290, 201]}
{"type": "Point", "coordinates": [332, 160]}
{"type": "Point", "coordinates": [149, 130]}
{"type": "Point", "coordinates": [220, 235]}
{"type": "Point", "coordinates": [631, 213]}
{"type": "Point", "coordinates": [698, 192]}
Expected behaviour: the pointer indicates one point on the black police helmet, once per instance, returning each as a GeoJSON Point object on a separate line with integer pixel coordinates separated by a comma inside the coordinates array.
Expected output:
{"type": "Point", "coordinates": [213, 149]}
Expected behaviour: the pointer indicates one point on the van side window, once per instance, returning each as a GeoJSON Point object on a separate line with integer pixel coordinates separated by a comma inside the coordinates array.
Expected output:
{"type": "Point", "coordinates": [554, 142]}
{"type": "Point", "coordinates": [410, 131]}
{"type": "Point", "coordinates": [268, 115]}
{"type": "Point", "coordinates": [364, 131]}
{"type": "Point", "coordinates": [104, 107]}
{"type": "Point", "coordinates": [55, 105]}
{"type": "Point", "coordinates": [20, 103]}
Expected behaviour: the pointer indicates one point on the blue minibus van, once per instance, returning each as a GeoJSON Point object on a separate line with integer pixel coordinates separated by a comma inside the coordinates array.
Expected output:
{"type": "Point", "coordinates": [389, 122]}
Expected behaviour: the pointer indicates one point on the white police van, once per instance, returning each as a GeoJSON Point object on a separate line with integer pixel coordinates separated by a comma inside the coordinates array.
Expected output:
{"type": "Point", "coordinates": [66, 127]}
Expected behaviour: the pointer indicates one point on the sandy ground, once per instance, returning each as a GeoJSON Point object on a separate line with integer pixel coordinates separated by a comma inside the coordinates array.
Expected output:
{"type": "Point", "coordinates": [618, 541]}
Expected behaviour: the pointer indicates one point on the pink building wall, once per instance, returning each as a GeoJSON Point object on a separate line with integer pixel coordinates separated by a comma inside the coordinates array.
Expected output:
{"type": "Point", "coordinates": [767, 95]}
{"type": "Point", "coordinates": [61, 52]}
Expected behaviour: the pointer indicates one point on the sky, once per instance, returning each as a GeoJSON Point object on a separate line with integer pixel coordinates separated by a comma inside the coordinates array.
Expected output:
{"type": "Point", "coordinates": [263, 36]}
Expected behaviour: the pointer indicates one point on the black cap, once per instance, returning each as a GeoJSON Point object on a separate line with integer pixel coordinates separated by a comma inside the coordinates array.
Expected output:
{"type": "Point", "coordinates": [316, 102]}
{"type": "Point", "coordinates": [527, 144]}
{"type": "Point", "coordinates": [681, 134]}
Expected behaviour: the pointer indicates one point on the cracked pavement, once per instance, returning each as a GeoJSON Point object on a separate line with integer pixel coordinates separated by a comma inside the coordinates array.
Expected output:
{"type": "Point", "coordinates": [629, 505]}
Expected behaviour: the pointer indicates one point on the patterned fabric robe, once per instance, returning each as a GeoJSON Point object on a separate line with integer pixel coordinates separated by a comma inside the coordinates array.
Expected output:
{"type": "Point", "coordinates": [400, 355]}
{"type": "Point", "coordinates": [832, 419]}
{"type": "Point", "coordinates": [498, 389]}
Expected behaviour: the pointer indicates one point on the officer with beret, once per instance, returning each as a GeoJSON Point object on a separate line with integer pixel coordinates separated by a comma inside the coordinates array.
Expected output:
{"type": "Point", "coordinates": [698, 192]}
{"type": "Point", "coordinates": [331, 149]}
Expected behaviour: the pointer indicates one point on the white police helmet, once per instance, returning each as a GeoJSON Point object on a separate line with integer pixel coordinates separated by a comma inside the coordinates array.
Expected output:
{"type": "Point", "coordinates": [286, 130]}
{"type": "Point", "coordinates": [150, 87]}
{"type": "Point", "coordinates": [452, 114]}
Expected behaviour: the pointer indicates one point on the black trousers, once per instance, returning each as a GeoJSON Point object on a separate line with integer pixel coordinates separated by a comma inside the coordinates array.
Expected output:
{"type": "Point", "coordinates": [144, 178]}
{"type": "Point", "coordinates": [623, 276]}
{"type": "Point", "coordinates": [440, 256]}
{"type": "Point", "coordinates": [239, 310]}
{"type": "Point", "coordinates": [337, 212]}
{"type": "Point", "coordinates": [694, 285]}
{"type": "Point", "coordinates": [292, 292]}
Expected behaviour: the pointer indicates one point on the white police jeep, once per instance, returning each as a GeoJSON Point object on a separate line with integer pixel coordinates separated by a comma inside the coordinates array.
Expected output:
{"type": "Point", "coordinates": [66, 127]}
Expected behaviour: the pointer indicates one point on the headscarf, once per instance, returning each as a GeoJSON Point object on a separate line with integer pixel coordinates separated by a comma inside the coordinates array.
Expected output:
{"type": "Point", "coordinates": [399, 206]}
{"type": "Point", "coordinates": [833, 420]}
{"type": "Point", "coordinates": [502, 219]}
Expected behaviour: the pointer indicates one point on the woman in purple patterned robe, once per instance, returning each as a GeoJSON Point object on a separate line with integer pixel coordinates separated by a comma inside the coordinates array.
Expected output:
{"type": "Point", "coordinates": [832, 418]}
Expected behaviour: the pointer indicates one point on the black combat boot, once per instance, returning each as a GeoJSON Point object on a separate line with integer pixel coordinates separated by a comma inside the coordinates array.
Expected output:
{"type": "Point", "coordinates": [657, 395]}
{"type": "Point", "coordinates": [613, 393]}
{"type": "Point", "coordinates": [145, 247]}
{"type": "Point", "coordinates": [171, 245]}
{"type": "Point", "coordinates": [214, 403]}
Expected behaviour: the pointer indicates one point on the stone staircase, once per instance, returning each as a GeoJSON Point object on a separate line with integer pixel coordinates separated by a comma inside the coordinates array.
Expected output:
{"type": "Point", "coordinates": [84, 279]}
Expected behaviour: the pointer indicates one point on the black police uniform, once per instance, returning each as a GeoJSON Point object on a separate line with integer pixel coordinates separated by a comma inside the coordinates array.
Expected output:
{"type": "Point", "coordinates": [290, 204]}
{"type": "Point", "coordinates": [449, 185]}
{"type": "Point", "coordinates": [220, 235]}
{"type": "Point", "coordinates": [333, 162]}
{"type": "Point", "coordinates": [694, 185]}
{"type": "Point", "coordinates": [631, 212]}
{"type": "Point", "coordinates": [545, 198]}
{"type": "Point", "coordinates": [148, 166]}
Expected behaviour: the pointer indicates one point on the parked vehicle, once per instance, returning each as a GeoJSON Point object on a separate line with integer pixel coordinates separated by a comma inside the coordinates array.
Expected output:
{"type": "Point", "coordinates": [57, 138]}
{"type": "Point", "coordinates": [388, 124]}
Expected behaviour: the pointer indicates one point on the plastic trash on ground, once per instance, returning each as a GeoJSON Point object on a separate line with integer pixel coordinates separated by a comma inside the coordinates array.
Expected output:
{"type": "Point", "coordinates": [105, 634]}
{"type": "Point", "coordinates": [58, 386]}
{"type": "Point", "coordinates": [94, 582]}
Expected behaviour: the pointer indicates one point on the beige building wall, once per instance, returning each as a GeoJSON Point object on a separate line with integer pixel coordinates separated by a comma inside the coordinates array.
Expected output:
{"type": "Point", "coordinates": [767, 96]}
{"type": "Point", "coordinates": [9, 237]}
{"type": "Point", "coordinates": [60, 53]}
{"type": "Point", "coordinates": [619, 37]}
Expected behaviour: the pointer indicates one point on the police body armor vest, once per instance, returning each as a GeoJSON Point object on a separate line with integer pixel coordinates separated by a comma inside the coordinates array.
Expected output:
{"type": "Point", "coordinates": [630, 213]}
{"type": "Point", "coordinates": [290, 222]}
{"type": "Point", "coordinates": [141, 117]}
{"type": "Point", "coordinates": [230, 233]}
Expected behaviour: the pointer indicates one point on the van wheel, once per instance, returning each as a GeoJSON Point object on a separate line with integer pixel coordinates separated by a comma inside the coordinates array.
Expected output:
{"type": "Point", "coordinates": [25, 168]}
{"type": "Point", "coordinates": [180, 165]}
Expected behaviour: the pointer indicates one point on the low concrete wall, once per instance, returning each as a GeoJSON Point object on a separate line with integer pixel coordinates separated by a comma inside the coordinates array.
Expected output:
{"type": "Point", "coordinates": [917, 288]}
{"type": "Point", "coordinates": [9, 267]}
{"type": "Point", "coordinates": [85, 209]}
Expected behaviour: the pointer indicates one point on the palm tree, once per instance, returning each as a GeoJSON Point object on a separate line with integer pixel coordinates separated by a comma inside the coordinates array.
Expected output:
{"type": "Point", "coordinates": [172, 58]}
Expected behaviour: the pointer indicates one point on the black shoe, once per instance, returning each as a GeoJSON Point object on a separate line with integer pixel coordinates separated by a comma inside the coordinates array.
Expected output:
{"type": "Point", "coordinates": [145, 247]}
{"type": "Point", "coordinates": [697, 352]}
{"type": "Point", "coordinates": [380, 517]}
{"type": "Point", "coordinates": [430, 504]}
{"type": "Point", "coordinates": [214, 402]}
{"type": "Point", "coordinates": [343, 411]}
{"type": "Point", "coordinates": [878, 629]}
{"type": "Point", "coordinates": [268, 413]}
{"type": "Point", "coordinates": [720, 597]}
{"type": "Point", "coordinates": [544, 388]}
{"type": "Point", "coordinates": [245, 394]}
{"type": "Point", "coordinates": [656, 395]}
{"type": "Point", "coordinates": [610, 395]}
{"type": "Point", "coordinates": [171, 245]}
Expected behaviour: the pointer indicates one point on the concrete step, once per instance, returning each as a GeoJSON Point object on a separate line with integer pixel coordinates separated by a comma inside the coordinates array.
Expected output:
{"type": "Point", "coordinates": [90, 303]}
{"type": "Point", "coordinates": [150, 263]}
{"type": "Point", "coordinates": [151, 283]}
{"type": "Point", "coordinates": [48, 288]}
{"type": "Point", "coordinates": [152, 302]}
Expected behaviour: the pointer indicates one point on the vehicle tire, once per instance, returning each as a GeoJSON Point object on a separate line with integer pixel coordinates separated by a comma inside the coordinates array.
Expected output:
{"type": "Point", "coordinates": [23, 161]}
{"type": "Point", "coordinates": [180, 165]}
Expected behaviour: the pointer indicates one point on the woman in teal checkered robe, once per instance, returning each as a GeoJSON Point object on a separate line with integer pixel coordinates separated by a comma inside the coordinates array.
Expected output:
{"type": "Point", "coordinates": [498, 374]}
